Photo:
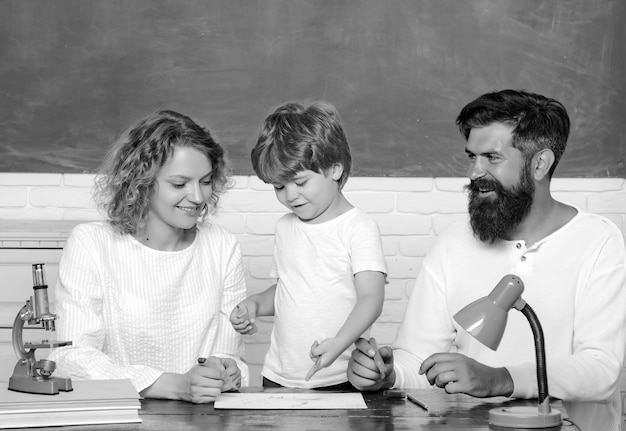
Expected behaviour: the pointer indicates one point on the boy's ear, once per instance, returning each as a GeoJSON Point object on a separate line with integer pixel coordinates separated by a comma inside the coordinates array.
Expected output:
{"type": "Point", "coordinates": [336, 171]}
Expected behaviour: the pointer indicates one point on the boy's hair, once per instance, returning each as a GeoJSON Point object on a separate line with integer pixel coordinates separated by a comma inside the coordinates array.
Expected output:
{"type": "Point", "coordinates": [126, 181]}
{"type": "Point", "coordinates": [539, 122]}
{"type": "Point", "coordinates": [296, 137]}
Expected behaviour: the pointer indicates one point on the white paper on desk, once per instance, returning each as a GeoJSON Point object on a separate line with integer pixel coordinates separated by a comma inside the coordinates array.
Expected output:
{"type": "Point", "coordinates": [291, 401]}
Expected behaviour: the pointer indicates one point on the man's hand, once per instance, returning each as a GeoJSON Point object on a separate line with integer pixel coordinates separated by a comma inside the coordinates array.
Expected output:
{"type": "Point", "coordinates": [457, 373]}
{"type": "Point", "coordinates": [370, 368]}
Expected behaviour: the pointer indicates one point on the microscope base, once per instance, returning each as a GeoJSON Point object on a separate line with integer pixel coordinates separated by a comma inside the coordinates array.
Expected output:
{"type": "Point", "coordinates": [20, 381]}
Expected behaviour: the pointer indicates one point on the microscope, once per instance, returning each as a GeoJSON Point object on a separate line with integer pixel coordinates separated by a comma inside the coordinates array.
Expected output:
{"type": "Point", "coordinates": [30, 375]}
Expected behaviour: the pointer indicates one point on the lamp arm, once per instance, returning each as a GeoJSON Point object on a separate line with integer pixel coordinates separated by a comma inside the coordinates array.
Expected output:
{"type": "Point", "coordinates": [540, 352]}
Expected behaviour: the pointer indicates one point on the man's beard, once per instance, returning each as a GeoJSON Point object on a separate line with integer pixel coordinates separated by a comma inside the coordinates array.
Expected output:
{"type": "Point", "coordinates": [495, 218]}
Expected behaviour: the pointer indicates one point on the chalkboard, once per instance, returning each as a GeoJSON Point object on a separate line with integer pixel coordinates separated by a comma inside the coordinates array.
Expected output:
{"type": "Point", "coordinates": [74, 74]}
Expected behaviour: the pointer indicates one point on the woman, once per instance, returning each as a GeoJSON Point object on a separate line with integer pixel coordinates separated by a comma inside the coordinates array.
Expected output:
{"type": "Point", "coordinates": [148, 292]}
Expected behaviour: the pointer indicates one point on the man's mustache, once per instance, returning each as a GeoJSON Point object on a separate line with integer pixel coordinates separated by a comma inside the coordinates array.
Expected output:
{"type": "Point", "coordinates": [483, 184]}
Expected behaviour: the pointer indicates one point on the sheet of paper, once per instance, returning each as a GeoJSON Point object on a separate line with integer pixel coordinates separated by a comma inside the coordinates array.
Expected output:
{"type": "Point", "coordinates": [291, 401]}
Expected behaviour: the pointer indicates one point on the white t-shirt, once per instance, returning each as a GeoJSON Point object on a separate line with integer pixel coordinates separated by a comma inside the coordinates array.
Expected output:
{"type": "Point", "coordinates": [575, 281]}
{"type": "Point", "coordinates": [135, 312]}
{"type": "Point", "coordinates": [315, 266]}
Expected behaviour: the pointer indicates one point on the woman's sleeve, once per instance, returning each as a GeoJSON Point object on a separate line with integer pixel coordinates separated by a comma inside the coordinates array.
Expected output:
{"type": "Point", "coordinates": [79, 306]}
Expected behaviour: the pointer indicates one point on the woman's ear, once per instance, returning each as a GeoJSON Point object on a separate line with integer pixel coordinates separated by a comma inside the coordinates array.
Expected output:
{"type": "Point", "coordinates": [542, 163]}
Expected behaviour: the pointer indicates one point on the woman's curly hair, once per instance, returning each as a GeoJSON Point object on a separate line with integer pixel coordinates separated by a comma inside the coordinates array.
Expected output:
{"type": "Point", "coordinates": [126, 180]}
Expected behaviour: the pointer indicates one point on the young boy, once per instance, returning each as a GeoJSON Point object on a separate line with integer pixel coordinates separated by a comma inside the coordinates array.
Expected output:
{"type": "Point", "coordinates": [328, 258]}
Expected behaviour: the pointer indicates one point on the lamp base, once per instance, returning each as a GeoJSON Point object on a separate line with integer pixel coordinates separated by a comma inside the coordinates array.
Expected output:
{"type": "Point", "coordinates": [524, 417]}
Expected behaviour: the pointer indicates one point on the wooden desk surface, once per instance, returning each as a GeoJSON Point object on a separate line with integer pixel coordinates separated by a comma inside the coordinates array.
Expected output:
{"type": "Point", "coordinates": [447, 412]}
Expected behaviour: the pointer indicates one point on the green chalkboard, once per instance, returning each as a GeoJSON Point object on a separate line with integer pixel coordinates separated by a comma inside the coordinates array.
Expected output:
{"type": "Point", "coordinates": [75, 73]}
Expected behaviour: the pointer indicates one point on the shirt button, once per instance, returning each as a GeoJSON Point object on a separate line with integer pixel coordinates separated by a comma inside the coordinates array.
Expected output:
{"type": "Point", "coordinates": [518, 245]}
{"type": "Point", "coordinates": [523, 258]}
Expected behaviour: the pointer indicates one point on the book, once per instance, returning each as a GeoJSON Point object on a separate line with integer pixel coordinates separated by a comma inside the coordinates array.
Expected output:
{"type": "Point", "coordinates": [91, 402]}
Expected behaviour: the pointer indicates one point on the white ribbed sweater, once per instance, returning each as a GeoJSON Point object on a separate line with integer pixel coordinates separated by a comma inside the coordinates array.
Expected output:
{"type": "Point", "coordinates": [135, 312]}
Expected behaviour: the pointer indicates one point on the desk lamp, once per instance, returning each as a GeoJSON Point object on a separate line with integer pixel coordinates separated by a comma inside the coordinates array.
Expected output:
{"type": "Point", "coordinates": [485, 320]}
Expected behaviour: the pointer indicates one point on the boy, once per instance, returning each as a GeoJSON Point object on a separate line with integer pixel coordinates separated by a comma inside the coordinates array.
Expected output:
{"type": "Point", "coordinates": [328, 258]}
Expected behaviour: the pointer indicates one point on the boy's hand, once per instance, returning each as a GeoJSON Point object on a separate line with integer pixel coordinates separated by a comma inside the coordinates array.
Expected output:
{"type": "Point", "coordinates": [324, 354]}
{"type": "Point", "coordinates": [243, 317]}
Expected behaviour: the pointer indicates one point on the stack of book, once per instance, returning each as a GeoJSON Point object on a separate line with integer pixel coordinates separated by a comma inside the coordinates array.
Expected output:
{"type": "Point", "coordinates": [91, 402]}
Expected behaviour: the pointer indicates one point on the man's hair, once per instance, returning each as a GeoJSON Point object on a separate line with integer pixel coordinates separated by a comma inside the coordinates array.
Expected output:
{"type": "Point", "coordinates": [126, 181]}
{"type": "Point", "coordinates": [296, 137]}
{"type": "Point", "coordinates": [538, 122]}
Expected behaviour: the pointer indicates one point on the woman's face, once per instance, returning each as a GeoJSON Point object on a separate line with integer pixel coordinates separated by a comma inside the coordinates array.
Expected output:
{"type": "Point", "coordinates": [183, 187]}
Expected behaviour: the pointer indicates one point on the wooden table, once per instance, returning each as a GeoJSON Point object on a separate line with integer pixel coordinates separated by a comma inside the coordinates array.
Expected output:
{"type": "Point", "coordinates": [446, 412]}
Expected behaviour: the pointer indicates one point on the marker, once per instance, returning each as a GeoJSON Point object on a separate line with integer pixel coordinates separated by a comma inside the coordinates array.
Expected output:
{"type": "Point", "coordinates": [219, 364]}
{"type": "Point", "coordinates": [394, 393]}
{"type": "Point", "coordinates": [315, 368]}
{"type": "Point", "coordinates": [378, 359]}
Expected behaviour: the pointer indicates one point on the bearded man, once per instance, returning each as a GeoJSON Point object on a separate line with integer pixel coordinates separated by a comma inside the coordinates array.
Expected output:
{"type": "Point", "coordinates": [572, 264]}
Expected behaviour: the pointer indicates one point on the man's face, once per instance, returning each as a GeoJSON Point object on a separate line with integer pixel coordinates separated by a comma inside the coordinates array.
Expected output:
{"type": "Point", "coordinates": [501, 186]}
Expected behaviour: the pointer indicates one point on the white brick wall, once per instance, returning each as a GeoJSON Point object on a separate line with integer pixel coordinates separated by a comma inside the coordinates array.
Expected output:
{"type": "Point", "coordinates": [410, 212]}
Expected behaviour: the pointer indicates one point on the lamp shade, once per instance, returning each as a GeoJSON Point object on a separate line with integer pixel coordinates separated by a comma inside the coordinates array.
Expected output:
{"type": "Point", "coordinates": [485, 318]}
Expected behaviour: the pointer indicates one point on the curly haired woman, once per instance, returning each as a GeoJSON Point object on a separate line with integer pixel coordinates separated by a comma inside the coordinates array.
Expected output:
{"type": "Point", "coordinates": [146, 293]}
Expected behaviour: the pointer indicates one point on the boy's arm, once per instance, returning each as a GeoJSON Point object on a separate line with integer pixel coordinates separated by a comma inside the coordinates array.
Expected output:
{"type": "Point", "coordinates": [264, 302]}
{"type": "Point", "coordinates": [369, 304]}
{"type": "Point", "coordinates": [370, 295]}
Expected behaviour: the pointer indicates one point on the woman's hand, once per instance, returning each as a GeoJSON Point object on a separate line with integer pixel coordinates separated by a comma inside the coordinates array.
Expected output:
{"type": "Point", "coordinates": [233, 381]}
{"type": "Point", "coordinates": [205, 381]}
{"type": "Point", "coordinates": [202, 384]}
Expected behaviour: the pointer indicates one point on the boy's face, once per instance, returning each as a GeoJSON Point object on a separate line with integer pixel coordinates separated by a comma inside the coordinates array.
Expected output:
{"type": "Point", "coordinates": [314, 197]}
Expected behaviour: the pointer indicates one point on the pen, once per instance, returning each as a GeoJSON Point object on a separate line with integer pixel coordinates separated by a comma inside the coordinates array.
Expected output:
{"type": "Point", "coordinates": [414, 400]}
{"type": "Point", "coordinates": [378, 359]}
